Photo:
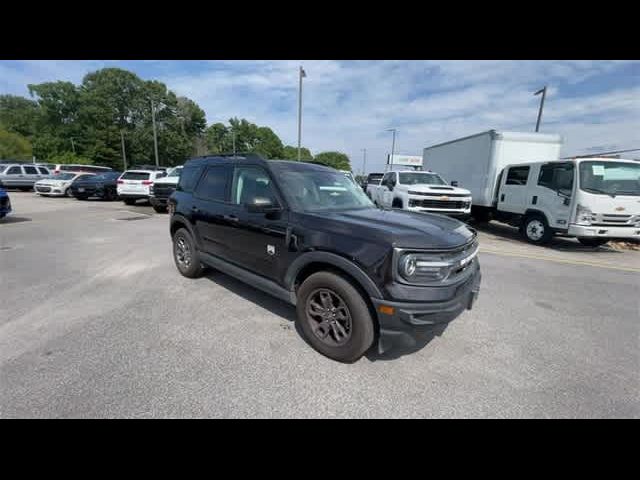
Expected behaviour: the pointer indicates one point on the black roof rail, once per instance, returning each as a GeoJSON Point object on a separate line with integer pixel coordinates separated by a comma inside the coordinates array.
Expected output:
{"type": "Point", "coordinates": [232, 155]}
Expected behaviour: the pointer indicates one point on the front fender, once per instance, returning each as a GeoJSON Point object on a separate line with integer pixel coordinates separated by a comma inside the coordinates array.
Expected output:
{"type": "Point", "coordinates": [337, 261]}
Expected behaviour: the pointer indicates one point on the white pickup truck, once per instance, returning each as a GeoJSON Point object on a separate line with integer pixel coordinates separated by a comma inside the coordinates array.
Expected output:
{"type": "Point", "coordinates": [421, 192]}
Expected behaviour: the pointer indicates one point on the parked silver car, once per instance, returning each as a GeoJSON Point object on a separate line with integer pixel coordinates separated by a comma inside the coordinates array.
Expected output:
{"type": "Point", "coordinates": [22, 176]}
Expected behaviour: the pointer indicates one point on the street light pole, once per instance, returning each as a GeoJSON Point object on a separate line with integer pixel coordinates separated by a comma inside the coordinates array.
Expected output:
{"type": "Point", "coordinates": [302, 74]}
{"type": "Point", "coordinates": [542, 91]}
{"type": "Point", "coordinates": [155, 134]}
{"type": "Point", "coordinates": [393, 144]}
{"type": "Point", "coordinates": [124, 155]}
{"type": "Point", "coordinates": [364, 162]}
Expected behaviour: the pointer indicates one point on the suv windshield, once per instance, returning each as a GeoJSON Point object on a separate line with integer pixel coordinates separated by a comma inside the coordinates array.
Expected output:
{"type": "Point", "coordinates": [175, 172]}
{"type": "Point", "coordinates": [421, 178]}
{"type": "Point", "coordinates": [315, 190]}
{"type": "Point", "coordinates": [610, 178]}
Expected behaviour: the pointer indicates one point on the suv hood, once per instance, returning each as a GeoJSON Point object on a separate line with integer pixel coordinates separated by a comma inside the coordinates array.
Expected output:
{"type": "Point", "coordinates": [400, 228]}
{"type": "Point", "coordinates": [436, 189]}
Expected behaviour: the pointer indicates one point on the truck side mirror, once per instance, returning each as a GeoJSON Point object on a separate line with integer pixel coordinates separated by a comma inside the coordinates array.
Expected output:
{"type": "Point", "coordinates": [454, 183]}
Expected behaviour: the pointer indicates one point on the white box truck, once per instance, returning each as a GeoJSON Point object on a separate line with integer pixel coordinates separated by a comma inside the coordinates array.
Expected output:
{"type": "Point", "coordinates": [518, 178]}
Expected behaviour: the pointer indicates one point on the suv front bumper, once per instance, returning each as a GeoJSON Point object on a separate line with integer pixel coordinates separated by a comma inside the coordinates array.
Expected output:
{"type": "Point", "coordinates": [410, 318]}
{"type": "Point", "coordinates": [603, 231]}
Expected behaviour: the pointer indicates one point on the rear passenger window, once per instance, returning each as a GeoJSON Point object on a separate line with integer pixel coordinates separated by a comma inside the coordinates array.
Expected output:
{"type": "Point", "coordinates": [213, 186]}
{"type": "Point", "coordinates": [43, 171]}
{"type": "Point", "coordinates": [188, 179]}
{"type": "Point", "coordinates": [31, 170]}
{"type": "Point", "coordinates": [517, 176]}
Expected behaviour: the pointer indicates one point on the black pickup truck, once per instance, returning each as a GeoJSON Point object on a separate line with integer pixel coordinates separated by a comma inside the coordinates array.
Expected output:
{"type": "Point", "coordinates": [358, 275]}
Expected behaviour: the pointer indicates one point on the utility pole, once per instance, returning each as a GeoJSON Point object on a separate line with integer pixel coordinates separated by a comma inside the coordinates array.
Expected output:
{"type": "Point", "coordinates": [233, 139]}
{"type": "Point", "coordinates": [124, 155]}
{"type": "Point", "coordinates": [542, 91]}
{"type": "Point", "coordinates": [155, 134]}
{"type": "Point", "coordinates": [302, 74]}
{"type": "Point", "coordinates": [364, 162]}
{"type": "Point", "coordinates": [73, 147]}
{"type": "Point", "coordinates": [393, 145]}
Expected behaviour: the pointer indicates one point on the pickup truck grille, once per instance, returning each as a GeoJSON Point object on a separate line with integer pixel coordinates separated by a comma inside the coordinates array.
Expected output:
{"type": "Point", "coordinates": [426, 203]}
{"type": "Point", "coordinates": [163, 191]}
{"type": "Point", "coordinates": [438, 194]}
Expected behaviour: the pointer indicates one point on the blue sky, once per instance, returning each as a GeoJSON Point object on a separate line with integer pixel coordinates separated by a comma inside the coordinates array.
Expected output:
{"type": "Point", "coordinates": [347, 105]}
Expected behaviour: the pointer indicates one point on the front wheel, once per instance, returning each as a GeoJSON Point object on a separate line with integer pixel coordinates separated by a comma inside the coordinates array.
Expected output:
{"type": "Point", "coordinates": [334, 317]}
{"type": "Point", "coordinates": [593, 242]}
{"type": "Point", "coordinates": [536, 230]}
{"type": "Point", "coordinates": [68, 192]}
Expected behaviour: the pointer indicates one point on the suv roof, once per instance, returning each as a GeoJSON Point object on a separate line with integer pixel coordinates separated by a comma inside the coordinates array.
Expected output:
{"type": "Point", "coordinates": [253, 159]}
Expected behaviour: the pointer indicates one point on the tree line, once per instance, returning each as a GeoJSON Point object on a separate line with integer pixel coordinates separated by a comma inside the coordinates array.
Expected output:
{"type": "Point", "coordinates": [86, 123]}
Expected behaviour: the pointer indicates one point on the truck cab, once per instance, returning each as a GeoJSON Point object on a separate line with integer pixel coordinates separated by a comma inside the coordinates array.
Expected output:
{"type": "Point", "coordinates": [422, 192]}
{"type": "Point", "coordinates": [592, 199]}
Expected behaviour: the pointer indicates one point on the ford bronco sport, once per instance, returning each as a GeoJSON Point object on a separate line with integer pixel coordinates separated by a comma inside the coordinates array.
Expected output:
{"type": "Point", "coordinates": [305, 233]}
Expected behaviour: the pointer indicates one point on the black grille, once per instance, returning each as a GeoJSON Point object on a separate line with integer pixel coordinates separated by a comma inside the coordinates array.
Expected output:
{"type": "Point", "coordinates": [438, 204]}
{"type": "Point", "coordinates": [43, 189]}
{"type": "Point", "coordinates": [162, 191]}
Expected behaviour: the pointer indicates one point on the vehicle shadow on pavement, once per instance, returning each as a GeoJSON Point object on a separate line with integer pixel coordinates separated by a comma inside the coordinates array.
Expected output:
{"type": "Point", "coordinates": [251, 294]}
{"type": "Point", "coordinates": [397, 350]}
{"type": "Point", "coordinates": [503, 232]}
{"type": "Point", "coordinates": [14, 219]}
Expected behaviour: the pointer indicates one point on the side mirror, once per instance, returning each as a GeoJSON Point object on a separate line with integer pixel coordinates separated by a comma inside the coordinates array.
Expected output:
{"type": "Point", "coordinates": [262, 205]}
{"type": "Point", "coordinates": [454, 183]}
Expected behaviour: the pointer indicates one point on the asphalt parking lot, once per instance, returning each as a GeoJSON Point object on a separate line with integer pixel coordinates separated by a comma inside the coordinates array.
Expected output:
{"type": "Point", "coordinates": [95, 321]}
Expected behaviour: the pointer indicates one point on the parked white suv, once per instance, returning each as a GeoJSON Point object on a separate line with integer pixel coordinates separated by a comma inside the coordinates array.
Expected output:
{"type": "Point", "coordinates": [134, 185]}
{"type": "Point", "coordinates": [163, 188]}
{"type": "Point", "coordinates": [422, 192]}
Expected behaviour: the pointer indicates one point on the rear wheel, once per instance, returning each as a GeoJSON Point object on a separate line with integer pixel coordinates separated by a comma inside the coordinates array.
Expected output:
{"type": "Point", "coordinates": [81, 197]}
{"type": "Point", "coordinates": [536, 230]}
{"type": "Point", "coordinates": [186, 255]}
{"type": "Point", "coordinates": [334, 317]}
{"type": "Point", "coordinates": [109, 194]}
{"type": "Point", "coordinates": [593, 242]}
{"type": "Point", "coordinates": [129, 201]}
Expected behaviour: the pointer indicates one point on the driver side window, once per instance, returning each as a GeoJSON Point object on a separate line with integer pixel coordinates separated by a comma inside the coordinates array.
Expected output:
{"type": "Point", "coordinates": [251, 183]}
{"type": "Point", "coordinates": [557, 177]}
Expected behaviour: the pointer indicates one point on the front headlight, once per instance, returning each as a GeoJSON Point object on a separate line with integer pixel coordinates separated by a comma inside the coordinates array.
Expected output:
{"type": "Point", "coordinates": [584, 215]}
{"type": "Point", "coordinates": [421, 268]}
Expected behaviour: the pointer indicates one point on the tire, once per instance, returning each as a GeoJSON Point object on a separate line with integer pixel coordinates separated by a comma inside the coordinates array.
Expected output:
{"type": "Point", "coordinates": [324, 331]}
{"type": "Point", "coordinates": [81, 197]}
{"type": "Point", "coordinates": [160, 209]}
{"type": "Point", "coordinates": [183, 245]}
{"type": "Point", "coordinates": [109, 195]}
{"type": "Point", "coordinates": [480, 215]}
{"type": "Point", "coordinates": [396, 203]}
{"type": "Point", "coordinates": [536, 229]}
{"type": "Point", "coordinates": [68, 192]}
{"type": "Point", "coordinates": [129, 201]}
{"type": "Point", "coordinates": [24, 189]}
{"type": "Point", "coordinates": [593, 242]}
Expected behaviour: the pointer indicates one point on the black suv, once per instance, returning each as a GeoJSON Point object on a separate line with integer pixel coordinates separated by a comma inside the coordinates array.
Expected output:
{"type": "Point", "coordinates": [305, 233]}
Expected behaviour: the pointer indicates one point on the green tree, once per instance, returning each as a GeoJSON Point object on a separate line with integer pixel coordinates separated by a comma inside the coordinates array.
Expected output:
{"type": "Point", "coordinates": [337, 160]}
{"type": "Point", "coordinates": [14, 146]}
{"type": "Point", "coordinates": [19, 115]}
{"type": "Point", "coordinates": [70, 157]}
{"type": "Point", "coordinates": [291, 153]}
{"type": "Point", "coordinates": [249, 138]}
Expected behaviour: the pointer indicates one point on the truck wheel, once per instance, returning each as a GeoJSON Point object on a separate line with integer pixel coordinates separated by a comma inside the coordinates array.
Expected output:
{"type": "Point", "coordinates": [334, 317]}
{"type": "Point", "coordinates": [186, 255]}
{"type": "Point", "coordinates": [480, 215]}
{"type": "Point", "coordinates": [397, 203]}
{"type": "Point", "coordinates": [593, 242]}
{"type": "Point", "coordinates": [536, 230]}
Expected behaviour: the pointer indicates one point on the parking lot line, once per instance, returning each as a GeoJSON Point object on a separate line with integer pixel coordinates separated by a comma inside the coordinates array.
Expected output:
{"type": "Point", "coordinates": [560, 260]}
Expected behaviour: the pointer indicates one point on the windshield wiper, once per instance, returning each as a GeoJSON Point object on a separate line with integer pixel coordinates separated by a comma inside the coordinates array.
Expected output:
{"type": "Point", "coordinates": [597, 190]}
